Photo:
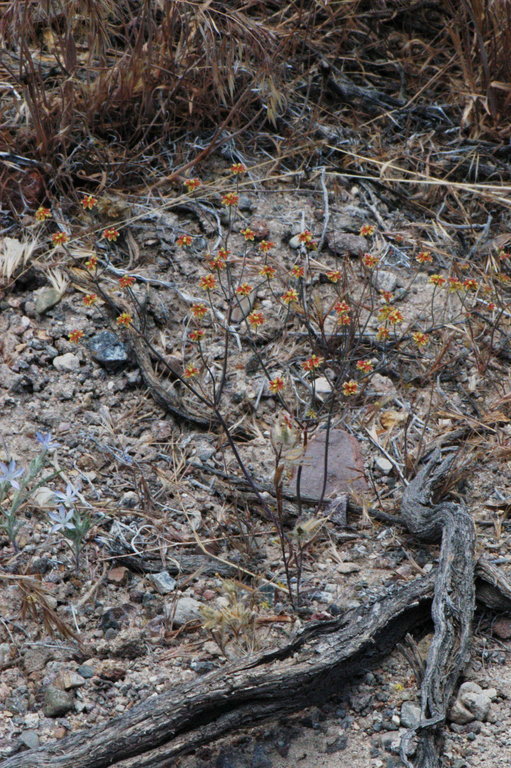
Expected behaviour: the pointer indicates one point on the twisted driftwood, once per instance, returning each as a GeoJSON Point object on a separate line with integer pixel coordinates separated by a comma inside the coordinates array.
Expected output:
{"type": "Point", "coordinates": [317, 663]}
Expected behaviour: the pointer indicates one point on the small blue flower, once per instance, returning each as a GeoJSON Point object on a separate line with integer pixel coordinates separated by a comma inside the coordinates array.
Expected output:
{"type": "Point", "coordinates": [69, 496]}
{"type": "Point", "coordinates": [10, 472]}
{"type": "Point", "coordinates": [62, 518]}
{"type": "Point", "coordinates": [46, 440]}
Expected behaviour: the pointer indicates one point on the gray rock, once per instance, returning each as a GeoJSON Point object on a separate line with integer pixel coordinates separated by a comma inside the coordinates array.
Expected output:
{"type": "Point", "coordinates": [46, 298]}
{"type": "Point", "coordinates": [259, 758]}
{"type": "Point", "coordinates": [342, 243]}
{"type": "Point", "coordinates": [109, 351]}
{"type": "Point", "coordinates": [383, 280]}
{"type": "Point", "coordinates": [337, 746]}
{"type": "Point", "coordinates": [35, 659]}
{"type": "Point", "coordinates": [163, 582]}
{"type": "Point", "coordinates": [459, 714]}
{"type": "Point", "coordinates": [85, 671]}
{"type": "Point", "coordinates": [410, 715]}
{"type": "Point", "coordinates": [67, 362]}
{"type": "Point", "coordinates": [383, 465]}
{"type": "Point", "coordinates": [57, 702]}
{"type": "Point", "coordinates": [5, 651]}
{"type": "Point", "coordinates": [183, 610]}
{"type": "Point", "coordinates": [29, 739]}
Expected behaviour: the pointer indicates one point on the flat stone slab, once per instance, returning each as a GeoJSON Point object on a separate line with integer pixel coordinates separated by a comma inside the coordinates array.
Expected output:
{"type": "Point", "coordinates": [345, 469]}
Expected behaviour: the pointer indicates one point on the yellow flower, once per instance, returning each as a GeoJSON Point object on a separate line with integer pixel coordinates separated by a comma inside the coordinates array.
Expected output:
{"type": "Point", "coordinates": [88, 202]}
{"type": "Point", "coordinates": [230, 199]}
{"type": "Point", "coordinates": [276, 384]}
{"type": "Point", "coordinates": [366, 229]}
{"type": "Point", "coordinates": [42, 214]}
{"type": "Point", "coordinates": [111, 234]}
{"type": "Point", "coordinates": [255, 319]}
{"type": "Point", "coordinates": [289, 296]}
{"type": "Point", "coordinates": [59, 238]}
{"type": "Point", "coordinates": [90, 299]}
{"type": "Point", "coordinates": [190, 371]}
{"type": "Point", "coordinates": [349, 388]}
{"type": "Point", "coordinates": [208, 282]}
{"type": "Point", "coordinates": [124, 319]}
{"type": "Point", "coordinates": [313, 362]}
{"type": "Point", "coordinates": [75, 336]}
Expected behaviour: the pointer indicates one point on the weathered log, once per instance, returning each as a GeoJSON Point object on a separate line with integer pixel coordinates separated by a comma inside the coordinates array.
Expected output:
{"type": "Point", "coordinates": [310, 669]}
{"type": "Point", "coordinates": [453, 604]}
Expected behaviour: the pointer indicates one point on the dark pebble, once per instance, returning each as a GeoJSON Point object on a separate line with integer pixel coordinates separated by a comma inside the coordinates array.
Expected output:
{"type": "Point", "coordinates": [85, 671]}
{"type": "Point", "coordinates": [337, 746]}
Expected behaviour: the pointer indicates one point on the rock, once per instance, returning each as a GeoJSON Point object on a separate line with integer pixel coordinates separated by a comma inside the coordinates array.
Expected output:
{"type": "Point", "coordinates": [342, 243]}
{"type": "Point", "coordinates": [261, 229]}
{"type": "Point", "coordinates": [183, 610]}
{"type": "Point", "coordinates": [9, 380]}
{"type": "Point", "coordinates": [113, 618]}
{"type": "Point", "coordinates": [109, 669]}
{"type": "Point", "coordinates": [163, 582]}
{"type": "Point", "coordinates": [129, 500]}
{"type": "Point", "coordinates": [460, 714]}
{"type": "Point", "coordinates": [57, 702]}
{"type": "Point", "coordinates": [345, 469]}
{"type": "Point", "coordinates": [347, 568]}
{"type": "Point", "coordinates": [68, 679]}
{"type": "Point", "coordinates": [381, 385]}
{"type": "Point", "coordinates": [383, 280]}
{"type": "Point", "coordinates": [410, 714]}
{"type": "Point", "coordinates": [502, 628]}
{"type": "Point", "coordinates": [67, 362]}
{"type": "Point", "coordinates": [46, 298]}
{"type": "Point", "coordinates": [336, 746]}
{"type": "Point", "coordinates": [29, 739]}
{"type": "Point", "coordinates": [259, 758]}
{"type": "Point", "coordinates": [109, 351]}
{"type": "Point", "coordinates": [5, 653]}
{"type": "Point", "coordinates": [383, 465]}
{"type": "Point", "coordinates": [322, 386]}
{"type": "Point", "coordinates": [35, 659]}
{"type": "Point", "coordinates": [245, 203]}
{"type": "Point", "coordinates": [479, 704]}
{"type": "Point", "coordinates": [118, 576]}
{"type": "Point", "coordinates": [86, 671]}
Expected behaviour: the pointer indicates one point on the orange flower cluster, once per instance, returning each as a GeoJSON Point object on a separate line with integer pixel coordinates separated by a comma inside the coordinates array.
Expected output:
{"type": "Point", "coordinates": [126, 281]}
{"type": "Point", "coordinates": [266, 245]}
{"type": "Point", "coordinates": [124, 319]}
{"type": "Point", "coordinates": [244, 289]}
{"type": "Point", "coordinates": [289, 296]}
{"type": "Point", "coordinates": [334, 276]}
{"type": "Point", "coordinates": [59, 238]}
{"type": "Point", "coordinates": [306, 236]}
{"type": "Point", "coordinates": [424, 257]}
{"type": "Point", "coordinates": [111, 234]}
{"type": "Point", "coordinates": [192, 184]}
{"type": "Point", "coordinates": [383, 333]}
{"type": "Point", "coordinates": [268, 272]}
{"type": "Point", "coordinates": [75, 336]}
{"type": "Point", "coordinates": [277, 384]}
{"type": "Point", "coordinates": [92, 262]}
{"type": "Point", "coordinates": [230, 199]}
{"type": "Point", "coordinates": [88, 202]}
{"type": "Point", "coordinates": [364, 365]}
{"type": "Point", "coordinates": [208, 282]}
{"type": "Point", "coordinates": [247, 233]}
{"type": "Point", "coordinates": [421, 339]}
{"type": "Point", "coordinates": [184, 240]}
{"type": "Point", "coordinates": [350, 388]}
{"type": "Point", "coordinates": [197, 334]}
{"type": "Point", "coordinates": [199, 310]}
{"type": "Point", "coordinates": [90, 299]}
{"type": "Point", "coordinates": [190, 371]}
{"type": "Point", "coordinates": [297, 271]}
{"type": "Point", "coordinates": [42, 214]}
{"type": "Point", "coordinates": [313, 362]}
{"type": "Point", "coordinates": [255, 319]}
{"type": "Point", "coordinates": [370, 261]}
{"type": "Point", "coordinates": [437, 280]}
{"type": "Point", "coordinates": [366, 230]}
{"type": "Point", "coordinates": [238, 168]}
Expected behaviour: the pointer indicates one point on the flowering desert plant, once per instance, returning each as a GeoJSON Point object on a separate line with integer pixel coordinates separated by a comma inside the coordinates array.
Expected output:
{"type": "Point", "coordinates": [18, 484]}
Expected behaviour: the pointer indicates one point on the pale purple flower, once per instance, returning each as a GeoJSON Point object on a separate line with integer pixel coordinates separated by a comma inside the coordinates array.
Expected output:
{"type": "Point", "coordinates": [69, 496]}
{"type": "Point", "coordinates": [46, 440]}
{"type": "Point", "coordinates": [62, 519]}
{"type": "Point", "coordinates": [9, 473]}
